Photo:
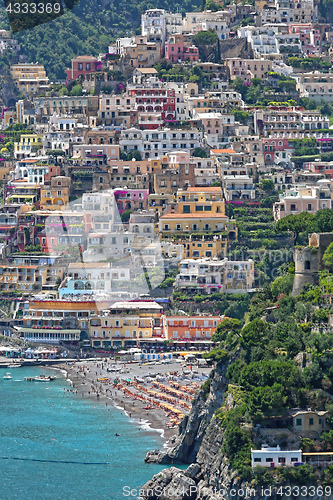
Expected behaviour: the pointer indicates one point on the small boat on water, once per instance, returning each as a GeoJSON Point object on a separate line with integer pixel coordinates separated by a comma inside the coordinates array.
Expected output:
{"type": "Point", "coordinates": [7, 376]}
{"type": "Point", "coordinates": [40, 378]}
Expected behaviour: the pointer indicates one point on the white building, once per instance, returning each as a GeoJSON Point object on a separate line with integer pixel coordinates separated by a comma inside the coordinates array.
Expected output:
{"type": "Point", "coordinates": [238, 187]}
{"type": "Point", "coordinates": [96, 278]}
{"type": "Point", "coordinates": [275, 457]}
{"type": "Point", "coordinates": [102, 246]}
{"type": "Point", "coordinates": [157, 24]}
{"type": "Point", "coordinates": [315, 85]}
{"type": "Point", "coordinates": [213, 275]}
{"type": "Point", "coordinates": [299, 199]}
{"type": "Point", "coordinates": [195, 22]}
{"type": "Point", "coordinates": [155, 143]}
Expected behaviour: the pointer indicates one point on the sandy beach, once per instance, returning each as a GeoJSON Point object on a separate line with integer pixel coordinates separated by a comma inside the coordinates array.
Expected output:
{"type": "Point", "coordinates": [161, 385]}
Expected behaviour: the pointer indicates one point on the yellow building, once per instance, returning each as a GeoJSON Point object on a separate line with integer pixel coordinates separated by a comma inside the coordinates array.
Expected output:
{"type": "Point", "coordinates": [5, 168]}
{"type": "Point", "coordinates": [29, 143]}
{"type": "Point", "coordinates": [56, 196]}
{"type": "Point", "coordinates": [198, 221]}
{"type": "Point", "coordinates": [29, 278]}
{"type": "Point", "coordinates": [206, 200]}
{"type": "Point", "coordinates": [127, 324]}
{"type": "Point", "coordinates": [29, 77]}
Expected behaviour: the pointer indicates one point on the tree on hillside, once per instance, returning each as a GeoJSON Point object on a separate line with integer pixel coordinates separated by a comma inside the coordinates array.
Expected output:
{"type": "Point", "coordinates": [55, 153]}
{"type": "Point", "coordinates": [241, 116]}
{"type": "Point", "coordinates": [253, 333]}
{"type": "Point", "coordinates": [76, 90]}
{"type": "Point", "coordinates": [323, 221]}
{"type": "Point", "coordinates": [205, 38]}
{"type": "Point", "coordinates": [125, 215]}
{"type": "Point", "coordinates": [208, 45]}
{"type": "Point", "coordinates": [226, 327]}
{"type": "Point", "coordinates": [199, 153]}
{"type": "Point", "coordinates": [295, 224]}
{"type": "Point", "coordinates": [326, 8]}
{"type": "Point", "coordinates": [328, 256]}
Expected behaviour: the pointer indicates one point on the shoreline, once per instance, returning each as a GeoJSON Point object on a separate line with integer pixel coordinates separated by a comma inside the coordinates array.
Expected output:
{"type": "Point", "coordinates": [147, 413]}
{"type": "Point", "coordinates": [87, 385]}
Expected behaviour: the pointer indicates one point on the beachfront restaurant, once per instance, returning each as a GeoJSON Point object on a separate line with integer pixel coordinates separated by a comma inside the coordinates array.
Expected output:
{"type": "Point", "coordinates": [10, 352]}
{"type": "Point", "coordinates": [48, 335]}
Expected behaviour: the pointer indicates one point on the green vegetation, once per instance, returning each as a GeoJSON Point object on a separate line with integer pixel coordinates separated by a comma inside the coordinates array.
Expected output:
{"type": "Point", "coordinates": [216, 355]}
{"type": "Point", "coordinates": [208, 45]}
{"type": "Point", "coordinates": [305, 147]}
{"type": "Point", "coordinates": [233, 305]}
{"type": "Point", "coordinates": [87, 29]}
{"type": "Point", "coordinates": [309, 63]}
{"type": "Point", "coordinates": [241, 116]}
{"type": "Point", "coordinates": [130, 155]}
{"type": "Point", "coordinates": [321, 222]}
{"type": "Point", "coordinates": [182, 73]}
{"type": "Point", "coordinates": [125, 215]}
{"type": "Point", "coordinates": [226, 327]}
{"type": "Point", "coordinates": [262, 94]}
{"type": "Point", "coordinates": [270, 375]}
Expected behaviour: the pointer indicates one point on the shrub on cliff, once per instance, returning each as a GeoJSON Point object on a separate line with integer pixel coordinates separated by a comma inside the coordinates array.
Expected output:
{"type": "Point", "coordinates": [216, 355]}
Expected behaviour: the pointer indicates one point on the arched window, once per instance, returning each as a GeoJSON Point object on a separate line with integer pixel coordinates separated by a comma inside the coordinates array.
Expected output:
{"type": "Point", "coordinates": [78, 285]}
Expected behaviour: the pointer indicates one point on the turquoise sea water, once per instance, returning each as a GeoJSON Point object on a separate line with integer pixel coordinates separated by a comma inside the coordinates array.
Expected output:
{"type": "Point", "coordinates": [41, 421]}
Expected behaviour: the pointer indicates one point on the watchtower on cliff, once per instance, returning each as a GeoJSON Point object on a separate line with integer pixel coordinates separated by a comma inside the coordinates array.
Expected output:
{"type": "Point", "coordinates": [309, 260]}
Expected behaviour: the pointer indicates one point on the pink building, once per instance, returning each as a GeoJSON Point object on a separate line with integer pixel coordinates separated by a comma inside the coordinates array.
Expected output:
{"type": "Point", "coordinates": [320, 167]}
{"type": "Point", "coordinates": [276, 150]}
{"type": "Point", "coordinates": [177, 50]}
{"type": "Point", "coordinates": [131, 199]}
{"type": "Point", "coordinates": [83, 65]}
{"type": "Point", "coordinates": [309, 37]}
{"type": "Point", "coordinates": [302, 199]}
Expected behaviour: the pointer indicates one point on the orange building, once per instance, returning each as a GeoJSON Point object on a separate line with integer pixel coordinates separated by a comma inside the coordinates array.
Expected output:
{"type": "Point", "coordinates": [190, 329]}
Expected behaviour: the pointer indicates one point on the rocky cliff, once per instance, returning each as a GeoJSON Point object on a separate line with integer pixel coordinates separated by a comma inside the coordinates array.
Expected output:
{"type": "Point", "coordinates": [192, 429]}
{"type": "Point", "coordinates": [199, 443]}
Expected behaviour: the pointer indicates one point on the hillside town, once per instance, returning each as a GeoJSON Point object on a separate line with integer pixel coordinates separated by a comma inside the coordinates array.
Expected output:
{"type": "Point", "coordinates": [148, 195]}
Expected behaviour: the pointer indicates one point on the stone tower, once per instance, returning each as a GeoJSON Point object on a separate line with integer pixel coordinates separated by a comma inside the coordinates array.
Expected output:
{"type": "Point", "coordinates": [308, 260]}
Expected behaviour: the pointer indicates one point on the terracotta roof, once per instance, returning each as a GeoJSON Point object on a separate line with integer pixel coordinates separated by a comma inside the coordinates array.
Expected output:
{"type": "Point", "coordinates": [198, 215]}
{"type": "Point", "coordinates": [223, 151]}
{"type": "Point", "coordinates": [147, 70]}
{"type": "Point", "coordinates": [204, 189]}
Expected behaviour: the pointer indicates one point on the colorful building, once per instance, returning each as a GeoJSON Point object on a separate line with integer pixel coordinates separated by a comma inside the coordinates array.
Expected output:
{"type": "Point", "coordinates": [177, 50]}
{"type": "Point", "coordinates": [194, 330]}
{"type": "Point", "coordinates": [127, 324]}
{"type": "Point", "coordinates": [57, 195]}
{"type": "Point", "coordinates": [54, 321]}
{"type": "Point", "coordinates": [29, 77]}
{"type": "Point", "coordinates": [83, 65]}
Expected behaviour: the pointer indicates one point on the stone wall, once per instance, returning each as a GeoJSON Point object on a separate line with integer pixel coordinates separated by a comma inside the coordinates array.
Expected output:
{"type": "Point", "coordinates": [235, 47]}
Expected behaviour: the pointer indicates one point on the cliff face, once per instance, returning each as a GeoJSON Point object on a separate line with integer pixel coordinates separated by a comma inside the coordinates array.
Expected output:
{"type": "Point", "coordinates": [199, 443]}
{"type": "Point", "coordinates": [192, 429]}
